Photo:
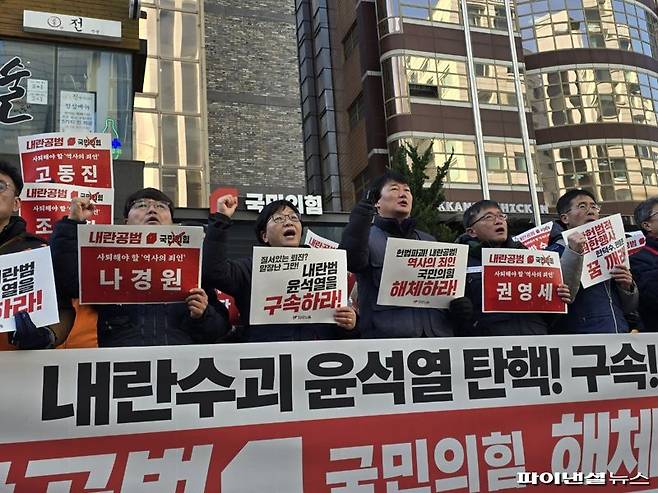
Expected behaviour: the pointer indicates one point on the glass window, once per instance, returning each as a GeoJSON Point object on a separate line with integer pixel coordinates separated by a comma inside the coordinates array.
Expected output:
{"type": "Point", "coordinates": [92, 89]}
{"type": "Point", "coordinates": [189, 5]}
{"type": "Point", "coordinates": [494, 162]}
{"type": "Point", "coordinates": [102, 81]}
{"type": "Point", "coordinates": [179, 86]}
{"type": "Point", "coordinates": [147, 138]}
{"type": "Point", "coordinates": [34, 71]}
{"type": "Point", "coordinates": [181, 141]}
{"type": "Point", "coordinates": [179, 36]}
{"type": "Point", "coordinates": [148, 30]}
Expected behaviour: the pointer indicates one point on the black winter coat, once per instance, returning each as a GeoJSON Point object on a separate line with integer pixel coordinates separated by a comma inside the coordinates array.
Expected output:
{"type": "Point", "coordinates": [644, 265]}
{"type": "Point", "coordinates": [365, 243]}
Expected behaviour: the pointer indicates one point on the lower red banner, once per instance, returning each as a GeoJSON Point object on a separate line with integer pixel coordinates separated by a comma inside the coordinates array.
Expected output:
{"type": "Point", "coordinates": [546, 447]}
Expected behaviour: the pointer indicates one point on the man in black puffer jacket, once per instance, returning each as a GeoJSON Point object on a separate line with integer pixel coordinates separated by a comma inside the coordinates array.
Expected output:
{"type": "Point", "coordinates": [278, 225]}
{"type": "Point", "coordinates": [196, 321]}
{"type": "Point", "coordinates": [486, 227]}
{"type": "Point", "coordinates": [365, 241]}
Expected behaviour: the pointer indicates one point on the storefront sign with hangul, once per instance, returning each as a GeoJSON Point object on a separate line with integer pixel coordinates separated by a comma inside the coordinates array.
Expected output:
{"type": "Point", "coordinates": [27, 285]}
{"type": "Point", "coordinates": [422, 274]}
{"type": "Point", "coordinates": [423, 415]}
{"type": "Point", "coordinates": [311, 205]}
{"type": "Point", "coordinates": [138, 264]}
{"type": "Point", "coordinates": [43, 204]}
{"type": "Point", "coordinates": [523, 281]}
{"type": "Point", "coordinates": [297, 285]}
{"type": "Point", "coordinates": [536, 238]}
{"type": "Point", "coordinates": [70, 158]}
{"type": "Point", "coordinates": [635, 241]}
{"type": "Point", "coordinates": [605, 248]}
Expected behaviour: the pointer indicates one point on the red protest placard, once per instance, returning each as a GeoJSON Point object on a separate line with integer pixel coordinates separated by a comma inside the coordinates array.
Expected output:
{"type": "Point", "coordinates": [138, 264]}
{"type": "Point", "coordinates": [521, 281]}
{"type": "Point", "coordinates": [43, 204]}
{"type": "Point", "coordinates": [82, 159]}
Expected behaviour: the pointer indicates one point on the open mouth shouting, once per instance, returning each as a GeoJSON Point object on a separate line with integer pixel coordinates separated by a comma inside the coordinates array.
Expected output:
{"type": "Point", "coordinates": [290, 233]}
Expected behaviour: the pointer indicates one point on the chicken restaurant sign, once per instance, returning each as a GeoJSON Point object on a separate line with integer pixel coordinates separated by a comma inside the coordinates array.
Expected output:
{"type": "Point", "coordinates": [505, 207]}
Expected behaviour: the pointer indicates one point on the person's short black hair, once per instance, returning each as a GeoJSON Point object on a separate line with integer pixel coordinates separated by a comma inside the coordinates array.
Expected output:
{"type": "Point", "coordinates": [268, 211]}
{"type": "Point", "coordinates": [13, 173]}
{"type": "Point", "coordinates": [564, 202]}
{"type": "Point", "coordinates": [147, 193]}
{"type": "Point", "coordinates": [471, 213]}
{"type": "Point", "coordinates": [644, 210]}
{"type": "Point", "coordinates": [378, 183]}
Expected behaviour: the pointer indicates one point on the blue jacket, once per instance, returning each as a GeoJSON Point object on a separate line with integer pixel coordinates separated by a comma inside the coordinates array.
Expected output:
{"type": "Point", "coordinates": [233, 277]}
{"type": "Point", "coordinates": [597, 309]}
{"type": "Point", "coordinates": [494, 324]}
{"type": "Point", "coordinates": [366, 244]}
{"type": "Point", "coordinates": [644, 265]}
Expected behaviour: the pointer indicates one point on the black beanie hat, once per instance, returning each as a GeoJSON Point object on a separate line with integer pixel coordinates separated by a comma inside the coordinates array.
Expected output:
{"type": "Point", "coordinates": [147, 193]}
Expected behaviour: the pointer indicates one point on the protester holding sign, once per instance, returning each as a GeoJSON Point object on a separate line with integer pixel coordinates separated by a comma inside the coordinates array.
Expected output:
{"type": "Point", "coordinates": [193, 322]}
{"type": "Point", "coordinates": [601, 307]}
{"type": "Point", "coordinates": [486, 227]}
{"type": "Point", "coordinates": [644, 263]}
{"type": "Point", "coordinates": [278, 225]}
{"type": "Point", "coordinates": [365, 241]}
{"type": "Point", "coordinates": [14, 238]}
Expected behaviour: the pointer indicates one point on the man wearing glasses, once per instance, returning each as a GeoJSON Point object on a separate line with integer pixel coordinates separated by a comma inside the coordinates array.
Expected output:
{"type": "Point", "coordinates": [601, 308]}
{"type": "Point", "coordinates": [486, 227]}
{"type": "Point", "coordinates": [644, 263]}
{"type": "Point", "coordinates": [13, 239]}
{"type": "Point", "coordinates": [196, 321]}
{"type": "Point", "coordinates": [278, 225]}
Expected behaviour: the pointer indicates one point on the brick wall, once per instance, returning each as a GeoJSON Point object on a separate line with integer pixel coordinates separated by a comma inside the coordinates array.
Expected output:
{"type": "Point", "coordinates": [254, 117]}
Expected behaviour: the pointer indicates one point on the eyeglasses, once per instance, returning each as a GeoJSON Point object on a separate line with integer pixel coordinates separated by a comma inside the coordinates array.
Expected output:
{"type": "Point", "coordinates": [4, 186]}
{"type": "Point", "coordinates": [280, 218]}
{"type": "Point", "coordinates": [490, 218]}
{"type": "Point", "coordinates": [145, 204]}
{"type": "Point", "coordinates": [585, 207]}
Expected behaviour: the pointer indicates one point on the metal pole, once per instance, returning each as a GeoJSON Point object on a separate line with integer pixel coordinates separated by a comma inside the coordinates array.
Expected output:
{"type": "Point", "coordinates": [530, 167]}
{"type": "Point", "coordinates": [479, 141]}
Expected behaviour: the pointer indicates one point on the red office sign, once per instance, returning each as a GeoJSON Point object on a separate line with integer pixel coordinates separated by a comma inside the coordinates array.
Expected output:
{"type": "Point", "coordinates": [138, 264]}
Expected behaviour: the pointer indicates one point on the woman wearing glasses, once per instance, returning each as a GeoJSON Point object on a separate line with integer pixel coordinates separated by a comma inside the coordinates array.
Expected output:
{"type": "Point", "coordinates": [278, 225]}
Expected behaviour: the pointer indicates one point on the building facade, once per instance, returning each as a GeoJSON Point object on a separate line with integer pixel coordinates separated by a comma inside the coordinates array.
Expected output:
{"type": "Point", "coordinates": [564, 87]}
{"type": "Point", "coordinates": [71, 67]}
